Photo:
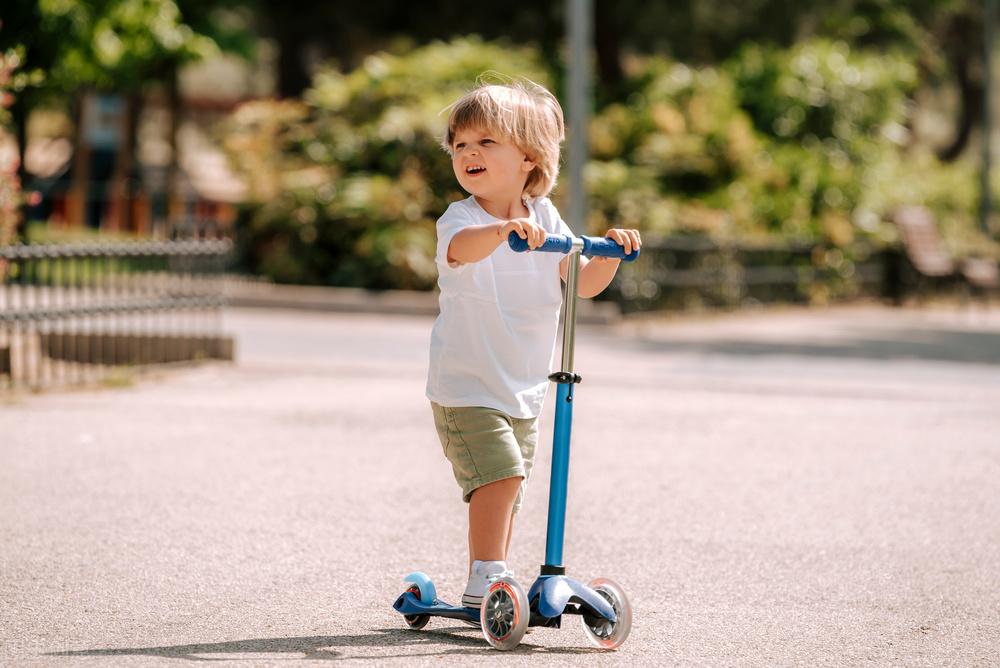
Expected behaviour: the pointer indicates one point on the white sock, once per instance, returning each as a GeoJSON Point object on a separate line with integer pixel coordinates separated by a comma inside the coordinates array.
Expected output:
{"type": "Point", "coordinates": [488, 567]}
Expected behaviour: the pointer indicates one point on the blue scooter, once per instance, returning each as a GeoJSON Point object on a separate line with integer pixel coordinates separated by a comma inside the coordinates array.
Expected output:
{"type": "Point", "coordinates": [506, 611]}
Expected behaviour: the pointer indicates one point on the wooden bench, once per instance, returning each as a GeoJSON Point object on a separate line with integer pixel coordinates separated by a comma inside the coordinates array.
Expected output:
{"type": "Point", "coordinates": [929, 265]}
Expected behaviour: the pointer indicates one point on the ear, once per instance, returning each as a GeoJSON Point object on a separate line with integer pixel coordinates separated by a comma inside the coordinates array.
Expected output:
{"type": "Point", "coordinates": [527, 164]}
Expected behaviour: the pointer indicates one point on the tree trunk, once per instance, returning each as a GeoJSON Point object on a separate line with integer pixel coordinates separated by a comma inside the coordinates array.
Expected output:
{"type": "Point", "coordinates": [293, 79]}
{"type": "Point", "coordinates": [965, 41]}
{"type": "Point", "coordinates": [607, 42]}
{"type": "Point", "coordinates": [124, 182]}
{"type": "Point", "coordinates": [79, 191]}
{"type": "Point", "coordinates": [19, 113]}
{"type": "Point", "coordinates": [175, 205]}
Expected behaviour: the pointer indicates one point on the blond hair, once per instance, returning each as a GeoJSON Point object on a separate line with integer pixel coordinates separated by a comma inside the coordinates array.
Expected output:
{"type": "Point", "coordinates": [522, 112]}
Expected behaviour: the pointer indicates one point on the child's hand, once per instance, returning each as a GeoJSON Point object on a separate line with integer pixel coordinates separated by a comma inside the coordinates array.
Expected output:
{"type": "Point", "coordinates": [630, 239]}
{"type": "Point", "coordinates": [534, 234]}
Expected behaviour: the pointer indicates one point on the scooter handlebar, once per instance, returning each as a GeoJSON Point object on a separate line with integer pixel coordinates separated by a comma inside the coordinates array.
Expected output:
{"type": "Point", "coordinates": [563, 243]}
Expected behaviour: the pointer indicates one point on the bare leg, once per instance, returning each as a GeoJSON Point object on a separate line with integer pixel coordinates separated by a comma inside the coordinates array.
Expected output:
{"type": "Point", "coordinates": [490, 519]}
{"type": "Point", "coordinates": [510, 532]}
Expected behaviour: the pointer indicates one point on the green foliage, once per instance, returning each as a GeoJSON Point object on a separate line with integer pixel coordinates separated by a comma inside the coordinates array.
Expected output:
{"type": "Point", "coordinates": [838, 148]}
{"type": "Point", "coordinates": [115, 44]}
{"type": "Point", "coordinates": [346, 187]}
{"type": "Point", "coordinates": [14, 79]}
{"type": "Point", "coordinates": [808, 144]}
{"type": "Point", "coordinates": [10, 184]}
{"type": "Point", "coordinates": [661, 158]}
{"type": "Point", "coordinates": [824, 90]}
{"type": "Point", "coordinates": [805, 144]}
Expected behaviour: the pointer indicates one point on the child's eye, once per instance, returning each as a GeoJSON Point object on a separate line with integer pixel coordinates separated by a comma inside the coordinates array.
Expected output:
{"type": "Point", "coordinates": [487, 141]}
{"type": "Point", "coordinates": [461, 145]}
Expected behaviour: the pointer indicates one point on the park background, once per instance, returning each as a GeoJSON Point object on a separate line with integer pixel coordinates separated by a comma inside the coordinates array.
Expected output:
{"type": "Point", "coordinates": [785, 445]}
{"type": "Point", "coordinates": [767, 135]}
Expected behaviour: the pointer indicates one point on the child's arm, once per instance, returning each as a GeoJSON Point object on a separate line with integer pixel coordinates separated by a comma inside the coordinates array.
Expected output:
{"type": "Point", "coordinates": [477, 242]}
{"type": "Point", "coordinates": [596, 273]}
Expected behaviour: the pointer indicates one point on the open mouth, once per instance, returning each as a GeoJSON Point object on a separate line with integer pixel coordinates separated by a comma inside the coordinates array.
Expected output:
{"type": "Point", "coordinates": [472, 171]}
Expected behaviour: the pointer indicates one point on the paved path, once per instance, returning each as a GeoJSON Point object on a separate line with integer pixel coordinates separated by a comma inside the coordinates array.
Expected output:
{"type": "Point", "coordinates": [817, 488]}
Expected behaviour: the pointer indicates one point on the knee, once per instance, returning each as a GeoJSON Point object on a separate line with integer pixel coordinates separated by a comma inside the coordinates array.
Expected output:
{"type": "Point", "coordinates": [511, 483]}
{"type": "Point", "coordinates": [503, 487]}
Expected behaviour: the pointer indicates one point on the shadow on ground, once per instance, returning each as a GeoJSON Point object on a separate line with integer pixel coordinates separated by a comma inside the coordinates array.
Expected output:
{"type": "Point", "coordinates": [939, 345]}
{"type": "Point", "coordinates": [448, 641]}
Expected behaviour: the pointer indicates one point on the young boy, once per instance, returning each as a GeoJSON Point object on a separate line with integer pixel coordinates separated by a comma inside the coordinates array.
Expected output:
{"type": "Point", "coordinates": [493, 342]}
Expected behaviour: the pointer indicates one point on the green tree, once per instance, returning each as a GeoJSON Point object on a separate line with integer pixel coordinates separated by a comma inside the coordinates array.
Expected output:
{"type": "Point", "coordinates": [345, 32]}
{"type": "Point", "coordinates": [11, 80]}
{"type": "Point", "coordinates": [71, 47]}
{"type": "Point", "coordinates": [943, 36]}
{"type": "Point", "coordinates": [345, 186]}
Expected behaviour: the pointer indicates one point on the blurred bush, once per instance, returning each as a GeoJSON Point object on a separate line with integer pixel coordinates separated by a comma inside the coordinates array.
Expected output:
{"type": "Point", "coordinates": [805, 145]}
{"type": "Point", "coordinates": [346, 185]}
{"type": "Point", "coordinates": [10, 183]}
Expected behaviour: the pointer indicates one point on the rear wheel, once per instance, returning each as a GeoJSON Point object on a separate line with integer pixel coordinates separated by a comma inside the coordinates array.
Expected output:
{"type": "Point", "coordinates": [504, 614]}
{"type": "Point", "coordinates": [416, 622]}
{"type": "Point", "coordinates": [602, 632]}
{"type": "Point", "coordinates": [427, 591]}
{"type": "Point", "coordinates": [420, 586]}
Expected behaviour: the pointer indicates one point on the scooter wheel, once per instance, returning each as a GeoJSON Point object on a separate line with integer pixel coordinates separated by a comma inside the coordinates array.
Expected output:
{"type": "Point", "coordinates": [603, 633]}
{"type": "Point", "coordinates": [427, 591]}
{"type": "Point", "coordinates": [504, 613]}
{"type": "Point", "coordinates": [416, 622]}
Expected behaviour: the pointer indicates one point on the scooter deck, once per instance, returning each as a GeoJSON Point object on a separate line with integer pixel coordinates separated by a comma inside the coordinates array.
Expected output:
{"type": "Point", "coordinates": [550, 594]}
{"type": "Point", "coordinates": [408, 604]}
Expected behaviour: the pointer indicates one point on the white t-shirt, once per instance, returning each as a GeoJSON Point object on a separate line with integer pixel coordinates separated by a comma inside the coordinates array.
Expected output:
{"type": "Point", "coordinates": [493, 342]}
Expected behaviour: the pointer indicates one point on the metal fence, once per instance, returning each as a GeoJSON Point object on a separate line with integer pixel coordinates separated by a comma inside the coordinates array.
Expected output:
{"type": "Point", "coordinates": [692, 273]}
{"type": "Point", "coordinates": [70, 314]}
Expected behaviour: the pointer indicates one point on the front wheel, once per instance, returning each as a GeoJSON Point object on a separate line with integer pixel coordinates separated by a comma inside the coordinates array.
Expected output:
{"type": "Point", "coordinates": [415, 622]}
{"type": "Point", "coordinates": [504, 614]}
{"type": "Point", "coordinates": [602, 632]}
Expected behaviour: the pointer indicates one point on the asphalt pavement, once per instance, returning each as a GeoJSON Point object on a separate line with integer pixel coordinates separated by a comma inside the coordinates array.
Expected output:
{"type": "Point", "coordinates": [785, 487]}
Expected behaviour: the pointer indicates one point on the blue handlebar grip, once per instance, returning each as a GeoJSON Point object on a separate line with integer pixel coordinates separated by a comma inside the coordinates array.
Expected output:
{"type": "Point", "coordinates": [554, 243]}
{"type": "Point", "coordinates": [561, 243]}
{"type": "Point", "coordinates": [604, 247]}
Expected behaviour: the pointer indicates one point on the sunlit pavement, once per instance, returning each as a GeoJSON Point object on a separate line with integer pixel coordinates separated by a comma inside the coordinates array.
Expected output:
{"type": "Point", "coordinates": [814, 487]}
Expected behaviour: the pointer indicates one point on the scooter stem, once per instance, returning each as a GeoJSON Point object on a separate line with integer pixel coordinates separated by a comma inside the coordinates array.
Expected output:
{"type": "Point", "coordinates": [563, 419]}
{"type": "Point", "coordinates": [569, 305]}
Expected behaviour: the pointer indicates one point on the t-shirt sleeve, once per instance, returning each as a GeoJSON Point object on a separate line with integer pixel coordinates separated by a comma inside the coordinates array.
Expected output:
{"type": "Point", "coordinates": [559, 225]}
{"type": "Point", "coordinates": [454, 220]}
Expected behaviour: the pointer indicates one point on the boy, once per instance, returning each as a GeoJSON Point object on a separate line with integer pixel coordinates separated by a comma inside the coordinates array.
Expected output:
{"type": "Point", "coordinates": [492, 344]}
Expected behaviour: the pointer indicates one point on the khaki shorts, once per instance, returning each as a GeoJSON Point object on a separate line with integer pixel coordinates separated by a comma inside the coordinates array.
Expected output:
{"type": "Point", "coordinates": [485, 445]}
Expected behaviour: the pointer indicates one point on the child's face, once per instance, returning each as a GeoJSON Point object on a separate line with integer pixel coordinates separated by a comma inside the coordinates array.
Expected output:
{"type": "Point", "coordinates": [488, 166]}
